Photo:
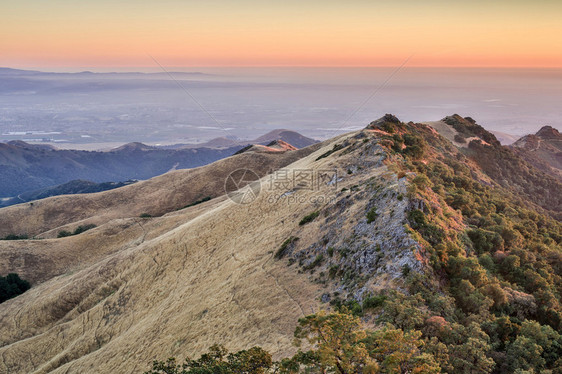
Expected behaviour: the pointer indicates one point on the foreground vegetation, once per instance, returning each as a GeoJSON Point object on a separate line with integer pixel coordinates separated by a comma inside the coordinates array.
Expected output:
{"type": "Point", "coordinates": [492, 300]}
{"type": "Point", "coordinates": [79, 230]}
{"type": "Point", "coordinates": [15, 237]}
{"type": "Point", "coordinates": [11, 286]}
{"type": "Point", "coordinates": [342, 345]}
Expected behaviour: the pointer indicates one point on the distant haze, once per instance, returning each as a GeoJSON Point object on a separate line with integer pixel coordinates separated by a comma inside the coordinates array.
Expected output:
{"type": "Point", "coordinates": [112, 109]}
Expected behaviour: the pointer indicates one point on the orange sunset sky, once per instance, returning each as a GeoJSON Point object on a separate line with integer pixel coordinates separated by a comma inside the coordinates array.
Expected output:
{"type": "Point", "coordinates": [102, 33]}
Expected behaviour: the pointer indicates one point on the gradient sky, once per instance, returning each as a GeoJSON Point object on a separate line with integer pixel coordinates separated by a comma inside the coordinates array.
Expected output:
{"type": "Point", "coordinates": [110, 33]}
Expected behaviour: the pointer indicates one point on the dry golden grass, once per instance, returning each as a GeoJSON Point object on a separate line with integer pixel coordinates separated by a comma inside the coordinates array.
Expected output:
{"type": "Point", "coordinates": [134, 290]}
{"type": "Point", "coordinates": [116, 212]}
{"type": "Point", "coordinates": [156, 196]}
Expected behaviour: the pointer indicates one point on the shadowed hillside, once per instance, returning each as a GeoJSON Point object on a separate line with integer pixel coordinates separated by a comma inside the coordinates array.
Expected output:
{"type": "Point", "coordinates": [157, 196]}
{"type": "Point", "coordinates": [26, 168]}
{"type": "Point", "coordinates": [505, 165]}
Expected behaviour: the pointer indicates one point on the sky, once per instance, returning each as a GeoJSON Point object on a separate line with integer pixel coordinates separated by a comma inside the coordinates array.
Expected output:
{"type": "Point", "coordinates": [112, 33]}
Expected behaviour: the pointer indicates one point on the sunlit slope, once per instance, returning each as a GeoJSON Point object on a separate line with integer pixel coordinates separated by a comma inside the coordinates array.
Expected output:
{"type": "Point", "coordinates": [155, 197]}
{"type": "Point", "coordinates": [211, 279]}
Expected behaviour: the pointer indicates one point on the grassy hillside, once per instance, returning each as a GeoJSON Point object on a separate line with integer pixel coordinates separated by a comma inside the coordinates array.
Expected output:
{"type": "Point", "coordinates": [70, 188]}
{"type": "Point", "coordinates": [25, 167]}
{"type": "Point", "coordinates": [216, 267]}
{"type": "Point", "coordinates": [416, 236]}
{"type": "Point", "coordinates": [154, 197]}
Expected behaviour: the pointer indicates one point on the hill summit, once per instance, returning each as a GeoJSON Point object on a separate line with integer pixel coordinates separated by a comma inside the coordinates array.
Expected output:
{"type": "Point", "coordinates": [548, 132]}
{"type": "Point", "coordinates": [543, 150]}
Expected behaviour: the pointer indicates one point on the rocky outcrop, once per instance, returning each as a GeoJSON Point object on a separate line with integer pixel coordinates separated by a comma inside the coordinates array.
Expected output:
{"type": "Point", "coordinates": [362, 240]}
{"type": "Point", "coordinates": [380, 123]}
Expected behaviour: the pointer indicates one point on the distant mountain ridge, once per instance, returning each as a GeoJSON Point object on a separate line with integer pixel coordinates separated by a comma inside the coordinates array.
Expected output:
{"type": "Point", "coordinates": [276, 146]}
{"type": "Point", "coordinates": [70, 188]}
{"type": "Point", "coordinates": [32, 169]}
{"type": "Point", "coordinates": [22, 72]}
{"type": "Point", "coordinates": [25, 167]}
{"type": "Point", "coordinates": [292, 137]}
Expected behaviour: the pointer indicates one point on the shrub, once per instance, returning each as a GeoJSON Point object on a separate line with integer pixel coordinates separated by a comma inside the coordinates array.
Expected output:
{"type": "Point", "coordinates": [372, 215]}
{"type": "Point", "coordinates": [11, 286]}
{"type": "Point", "coordinates": [283, 249]}
{"type": "Point", "coordinates": [64, 234]}
{"type": "Point", "coordinates": [388, 127]}
{"type": "Point", "coordinates": [373, 302]}
{"type": "Point", "coordinates": [415, 146]}
{"type": "Point", "coordinates": [317, 261]}
{"type": "Point", "coordinates": [421, 181]}
{"type": "Point", "coordinates": [414, 151]}
{"type": "Point", "coordinates": [336, 148]}
{"type": "Point", "coordinates": [81, 229]}
{"type": "Point", "coordinates": [333, 271]}
{"type": "Point", "coordinates": [145, 215]}
{"type": "Point", "coordinates": [14, 237]}
{"type": "Point", "coordinates": [398, 143]}
{"type": "Point", "coordinates": [348, 306]}
{"type": "Point", "coordinates": [197, 202]}
{"type": "Point", "coordinates": [77, 231]}
{"type": "Point", "coordinates": [460, 139]}
{"type": "Point", "coordinates": [486, 241]}
{"type": "Point", "coordinates": [430, 232]}
{"type": "Point", "coordinates": [309, 218]}
{"type": "Point", "coordinates": [406, 270]}
{"type": "Point", "coordinates": [416, 218]}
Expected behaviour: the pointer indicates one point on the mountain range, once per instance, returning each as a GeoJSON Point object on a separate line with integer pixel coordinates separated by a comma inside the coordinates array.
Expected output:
{"type": "Point", "coordinates": [294, 138]}
{"type": "Point", "coordinates": [434, 229]}
{"type": "Point", "coordinates": [30, 171]}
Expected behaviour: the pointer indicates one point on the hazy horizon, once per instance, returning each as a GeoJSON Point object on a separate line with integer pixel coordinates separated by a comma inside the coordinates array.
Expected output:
{"type": "Point", "coordinates": [247, 102]}
{"type": "Point", "coordinates": [307, 66]}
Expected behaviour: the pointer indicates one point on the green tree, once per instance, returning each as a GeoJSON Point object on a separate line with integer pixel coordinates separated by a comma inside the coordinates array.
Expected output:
{"type": "Point", "coordinates": [342, 345]}
{"type": "Point", "coordinates": [338, 341]}
{"type": "Point", "coordinates": [11, 286]}
{"type": "Point", "coordinates": [218, 361]}
{"type": "Point", "coordinates": [470, 355]}
{"type": "Point", "coordinates": [400, 352]}
{"type": "Point", "coordinates": [537, 347]}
